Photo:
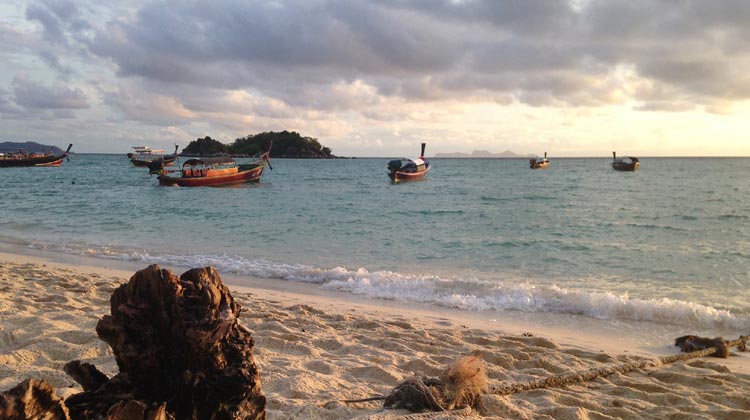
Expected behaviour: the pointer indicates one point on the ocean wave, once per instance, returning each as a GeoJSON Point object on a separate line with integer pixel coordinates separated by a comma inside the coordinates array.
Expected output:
{"type": "Point", "coordinates": [733, 217]}
{"type": "Point", "coordinates": [537, 298]}
{"type": "Point", "coordinates": [650, 226]}
{"type": "Point", "coordinates": [490, 199]}
{"type": "Point", "coordinates": [11, 240]}
{"type": "Point", "coordinates": [430, 212]}
{"type": "Point", "coordinates": [534, 197]}
{"type": "Point", "coordinates": [464, 294]}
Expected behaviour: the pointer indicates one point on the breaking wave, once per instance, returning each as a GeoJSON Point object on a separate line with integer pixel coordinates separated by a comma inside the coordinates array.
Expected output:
{"type": "Point", "coordinates": [464, 294]}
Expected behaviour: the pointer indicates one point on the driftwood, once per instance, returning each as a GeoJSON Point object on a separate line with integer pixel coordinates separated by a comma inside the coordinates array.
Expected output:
{"type": "Point", "coordinates": [181, 352]}
{"type": "Point", "coordinates": [32, 399]}
{"type": "Point", "coordinates": [691, 343]}
{"type": "Point", "coordinates": [86, 374]}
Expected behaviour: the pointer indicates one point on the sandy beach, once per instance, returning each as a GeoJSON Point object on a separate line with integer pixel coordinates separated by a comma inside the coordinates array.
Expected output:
{"type": "Point", "coordinates": [315, 350]}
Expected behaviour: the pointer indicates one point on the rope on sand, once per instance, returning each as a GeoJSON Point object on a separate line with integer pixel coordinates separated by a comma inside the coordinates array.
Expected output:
{"type": "Point", "coordinates": [459, 412]}
{"type": "Point", "coordinates": [720, 348]}
{"type": "Point", "coordinates": [460, 387]}
{"type": "Point", "coordinates": [436, 415]}
{"type": "Point", "coordinates": [577, 377]}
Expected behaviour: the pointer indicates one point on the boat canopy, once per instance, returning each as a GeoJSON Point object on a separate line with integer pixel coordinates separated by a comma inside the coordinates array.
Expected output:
{"type": "Point", "coordinates": [417, 161]}
{"type": "Point", "coordinates": [147, 151]}
{"type": "Point", "coordinates": [219, 160]}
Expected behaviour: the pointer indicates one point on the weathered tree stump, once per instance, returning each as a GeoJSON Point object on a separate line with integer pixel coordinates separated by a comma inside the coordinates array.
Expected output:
{"type": "Point", "coordinates": [180, 349]}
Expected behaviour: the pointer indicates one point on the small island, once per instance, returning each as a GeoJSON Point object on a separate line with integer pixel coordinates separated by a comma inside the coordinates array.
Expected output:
{"type": "Point", "coordinates": [30, 147]}
{"type": "Point", "coordinates": [482, 154]}
{"type": "Point", "coordinates": [286, 144]}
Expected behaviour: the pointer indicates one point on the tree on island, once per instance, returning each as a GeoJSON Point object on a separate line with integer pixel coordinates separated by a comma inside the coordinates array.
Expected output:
{"type": "Point", "coordinates": [205, 147]}
{"type": "Point", "coordinates": [286, 144]}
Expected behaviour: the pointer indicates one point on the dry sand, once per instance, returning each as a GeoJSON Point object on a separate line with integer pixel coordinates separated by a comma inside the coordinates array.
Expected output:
{"type": "Point", "coordinates": [315, 350]}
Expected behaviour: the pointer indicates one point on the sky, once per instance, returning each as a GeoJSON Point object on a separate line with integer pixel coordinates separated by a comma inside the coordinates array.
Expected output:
{"type": "Point", "coordinates": [377, 78]}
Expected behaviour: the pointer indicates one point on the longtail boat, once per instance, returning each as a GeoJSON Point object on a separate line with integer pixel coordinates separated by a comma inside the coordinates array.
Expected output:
{"type": "Point", "coordinates": [539, 163]}
{"type": "Point", "coordinates": [626, 163]}
{"type": "Point", "coordinates": [142, 156]}
{"type": "Point", "coordinates": [214, 172]}
{"type": "Point", "coordinates": [409, 169]}
{"type": "Point", "coordinates": [22, 158]}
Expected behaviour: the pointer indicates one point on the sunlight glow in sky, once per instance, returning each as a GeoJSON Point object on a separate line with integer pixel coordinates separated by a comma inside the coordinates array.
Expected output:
{"type": "Point", "coordinates": [376, 78]}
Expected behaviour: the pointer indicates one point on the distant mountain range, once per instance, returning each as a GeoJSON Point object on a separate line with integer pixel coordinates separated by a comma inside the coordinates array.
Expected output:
{"type": "Point", "coordinates": [482, 154]}
{"type": "Point", "coordinates": [29, 146]}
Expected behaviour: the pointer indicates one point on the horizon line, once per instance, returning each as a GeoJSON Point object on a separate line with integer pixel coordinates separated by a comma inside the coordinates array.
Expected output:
{"type": "Point", "coordinates": [481, 157]}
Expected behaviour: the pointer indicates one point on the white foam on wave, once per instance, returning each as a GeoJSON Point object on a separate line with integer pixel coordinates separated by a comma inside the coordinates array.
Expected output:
{"type": "Point", "coordinates": [465, 294]}
{"type": "Point", "coordinates": [534, 298]}
{"type": "Point", "coordinates": [475, 295]}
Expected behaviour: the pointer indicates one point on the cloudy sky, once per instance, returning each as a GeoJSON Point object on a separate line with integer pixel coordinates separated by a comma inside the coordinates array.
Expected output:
{"type": "Point", "coordinates": [376, 78]}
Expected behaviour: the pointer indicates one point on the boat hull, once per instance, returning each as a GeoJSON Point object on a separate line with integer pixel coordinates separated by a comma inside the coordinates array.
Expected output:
{"type": "Point", "coordinates": [627, 164]}
{"type": "Point", "coordinates": [50, 161]}
{"type": "Point", "coordinates": [399, 176]}
{"type": "Point", "coordinates": [34, 161]}
{"type": "Point", "coordinates": [625, 167]}
{"type": "Point", "coordinates": [143, 163]}
{"type": "Point", "coordinates": [539, 163]}
{"type": "Point", "coordinates": [252, 175]}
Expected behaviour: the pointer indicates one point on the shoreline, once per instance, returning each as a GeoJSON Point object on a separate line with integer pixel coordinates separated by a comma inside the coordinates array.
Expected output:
{"type": "Point", "coordinates": [646, 338]}
{"type": "Point", "coordinates": [317, 347]}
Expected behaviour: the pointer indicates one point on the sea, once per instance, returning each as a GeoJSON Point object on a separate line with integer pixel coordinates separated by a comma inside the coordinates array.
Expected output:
{"type": "Point", "coordinates": [667, 245]}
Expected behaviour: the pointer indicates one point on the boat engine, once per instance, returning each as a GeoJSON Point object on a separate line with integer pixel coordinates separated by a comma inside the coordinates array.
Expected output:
{"type": "Point", "coordinates": [394, 165]}
{"type": "Point", "coordinates": [155, 167]}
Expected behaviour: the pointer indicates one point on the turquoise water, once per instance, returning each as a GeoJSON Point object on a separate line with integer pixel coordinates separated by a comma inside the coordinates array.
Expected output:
{"type": "Point", "coordinates": [669, 243]}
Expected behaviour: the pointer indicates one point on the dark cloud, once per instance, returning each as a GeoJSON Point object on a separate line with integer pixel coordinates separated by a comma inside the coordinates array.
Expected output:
{"type": "Point", "coordinates": [60, 19]}
{"type": "Point", "coordinates": [541, 52]}
{"type": "Point", "coordinates": [7, 107]}
{"type": "Point", "coordinates": [269, 46]}
{"type": "Point", "coordinates": [34, 96]}
{"type": "Point", "coordinates": [64, 114]}
{"type": "Point", "coordinates": [538, 18]}
{"type": "Point", "coordinates": [53, 61]}
{"type": "Point", "coordinates": [51, 23]}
